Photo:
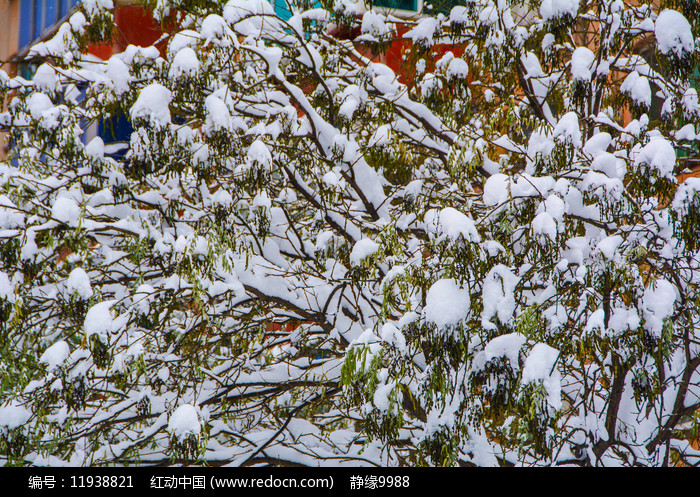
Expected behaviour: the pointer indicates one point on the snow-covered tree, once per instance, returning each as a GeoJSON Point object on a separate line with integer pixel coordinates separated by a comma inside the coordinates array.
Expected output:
{"type": "Point", "coordinates": [304, 257]}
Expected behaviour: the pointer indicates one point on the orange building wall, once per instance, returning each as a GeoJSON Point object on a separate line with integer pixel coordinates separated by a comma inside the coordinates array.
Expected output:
{"type": "Point", "coordinates": [9, 38]}
{"type": "Point", "coordinates": [9, 31]}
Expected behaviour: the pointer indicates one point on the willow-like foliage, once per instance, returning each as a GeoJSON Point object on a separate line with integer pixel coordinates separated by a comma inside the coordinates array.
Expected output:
{"type": "Point", "coordinates": [483, 256]}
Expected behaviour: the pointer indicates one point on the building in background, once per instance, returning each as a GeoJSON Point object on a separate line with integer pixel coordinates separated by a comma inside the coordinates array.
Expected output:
{"type": "Point", "coordinates": [9, 44]}
{"type": "Point", "coordinates": [26, 22]}
{"type": "Point", "coordinates": [9, 30]}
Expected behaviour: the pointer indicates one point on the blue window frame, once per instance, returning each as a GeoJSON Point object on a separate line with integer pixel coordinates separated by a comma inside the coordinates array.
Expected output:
{"type": "Point", "coordinates": [50, 14]}
{"type": "Point", "coordinates": [115, 130]}
{"type": "Point", "coordinates": [26, 23]}
{"type": "Point", "coordinates": [36, 17]}
{"type": "Point", "coordinates": [65, 6]}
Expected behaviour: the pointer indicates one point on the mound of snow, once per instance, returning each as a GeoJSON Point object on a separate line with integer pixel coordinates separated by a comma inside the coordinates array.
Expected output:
{"type": "Point", "coordinates": [184, 422]}
{"type": "Point", "coordinates": [673, 33]}
{"type": "Point", "coordinates": [446, 304]}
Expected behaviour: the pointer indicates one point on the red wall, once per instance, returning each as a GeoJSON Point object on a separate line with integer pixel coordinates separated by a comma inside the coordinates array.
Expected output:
{"type": "Point", "coordinates": [135, 26]}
